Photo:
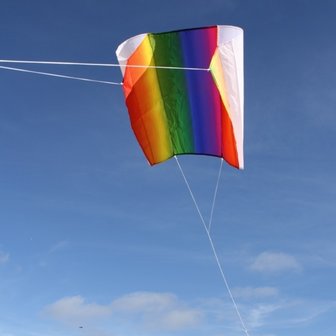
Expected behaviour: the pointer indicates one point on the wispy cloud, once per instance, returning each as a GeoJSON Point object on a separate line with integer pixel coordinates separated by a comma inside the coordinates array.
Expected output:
{"type": "Point", "coordinates": [4, 257]}
{"type": "Point", "coordinates": [289, 313]}
{"type": "Point", "coordinates": [249, 293]}
{"type": "Point", "coordinates": [260, 313]}
{"type": "Point", "coordinates": [59, 246]}
{"type": "Point", "coordinates": [275, 262]}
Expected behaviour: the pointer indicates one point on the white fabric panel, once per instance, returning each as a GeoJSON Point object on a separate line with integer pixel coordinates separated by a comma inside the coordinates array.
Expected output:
{"type": "Point", "coordinates": [127, 48]}
{"type": "Point", "coordinates": [231, 50]}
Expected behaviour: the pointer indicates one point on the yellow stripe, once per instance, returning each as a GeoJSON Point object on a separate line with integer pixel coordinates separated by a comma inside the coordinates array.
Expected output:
{"type": "Point", "coordinates": [218, 76]}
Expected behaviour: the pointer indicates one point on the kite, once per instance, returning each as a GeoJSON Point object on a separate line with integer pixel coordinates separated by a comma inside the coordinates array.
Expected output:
{"type": "Point", "coordinates": [184, 92]}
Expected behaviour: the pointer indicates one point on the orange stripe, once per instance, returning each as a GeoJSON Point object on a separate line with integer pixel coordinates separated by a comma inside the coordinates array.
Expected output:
{"type": "Point", "coordinates": [145, 106]}
{"type": "Point", "coordinates": [229, 146]}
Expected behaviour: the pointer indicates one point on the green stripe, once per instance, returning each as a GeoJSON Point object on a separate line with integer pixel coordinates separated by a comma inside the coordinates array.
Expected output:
{"type": "Point", "coordinates": [167, 51]}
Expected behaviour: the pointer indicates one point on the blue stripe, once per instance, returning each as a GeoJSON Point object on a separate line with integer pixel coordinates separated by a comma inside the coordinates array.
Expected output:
{"type": "Point", "coordinates": [202, 92]}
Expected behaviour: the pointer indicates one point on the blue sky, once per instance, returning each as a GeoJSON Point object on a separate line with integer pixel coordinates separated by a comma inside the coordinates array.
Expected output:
{"type": "Point", "coordinates": [92, 236]}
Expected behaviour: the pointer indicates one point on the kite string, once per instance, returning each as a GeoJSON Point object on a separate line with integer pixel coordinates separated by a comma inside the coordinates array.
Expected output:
{"type": "Point", "coordinates": [59, 76]}
{"type": "Point", "coordinates": [87, 64]}
{"type": "Point", "coordinates": [213, 249]}
{"type": "Point", "coordinates": [215, 195]}
{"type": "Point", "coordinates": [105, 65]}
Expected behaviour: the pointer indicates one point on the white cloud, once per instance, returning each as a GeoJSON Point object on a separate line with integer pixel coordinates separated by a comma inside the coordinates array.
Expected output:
{"type": "Point", "coordinates": [255, 293]}
{"type": "Point", "coordinates": [273, 262]}
{"type": "Point", "coordinates": [74, 310]}
{"type": "Point", "coordinates": [155, 311]}
{"type": "Point", "coordinates": [4, 257]}
{"type": "Point", "coordinates": [180, 318]}
{"type": "Point", "coordinates": [149, 313]}
{"type": "Point", "coordinates": [144, 301]}
{"type": "Point", "coordinates": [158, 311]}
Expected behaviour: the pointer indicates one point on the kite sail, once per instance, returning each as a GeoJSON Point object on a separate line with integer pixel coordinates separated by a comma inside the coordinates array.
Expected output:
{"type": "Point", "coordinates": [184, 92]}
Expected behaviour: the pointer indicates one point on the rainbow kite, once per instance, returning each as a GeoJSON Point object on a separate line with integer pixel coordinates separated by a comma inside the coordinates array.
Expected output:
{"type": "Point", "coordinates": [184, 92]}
